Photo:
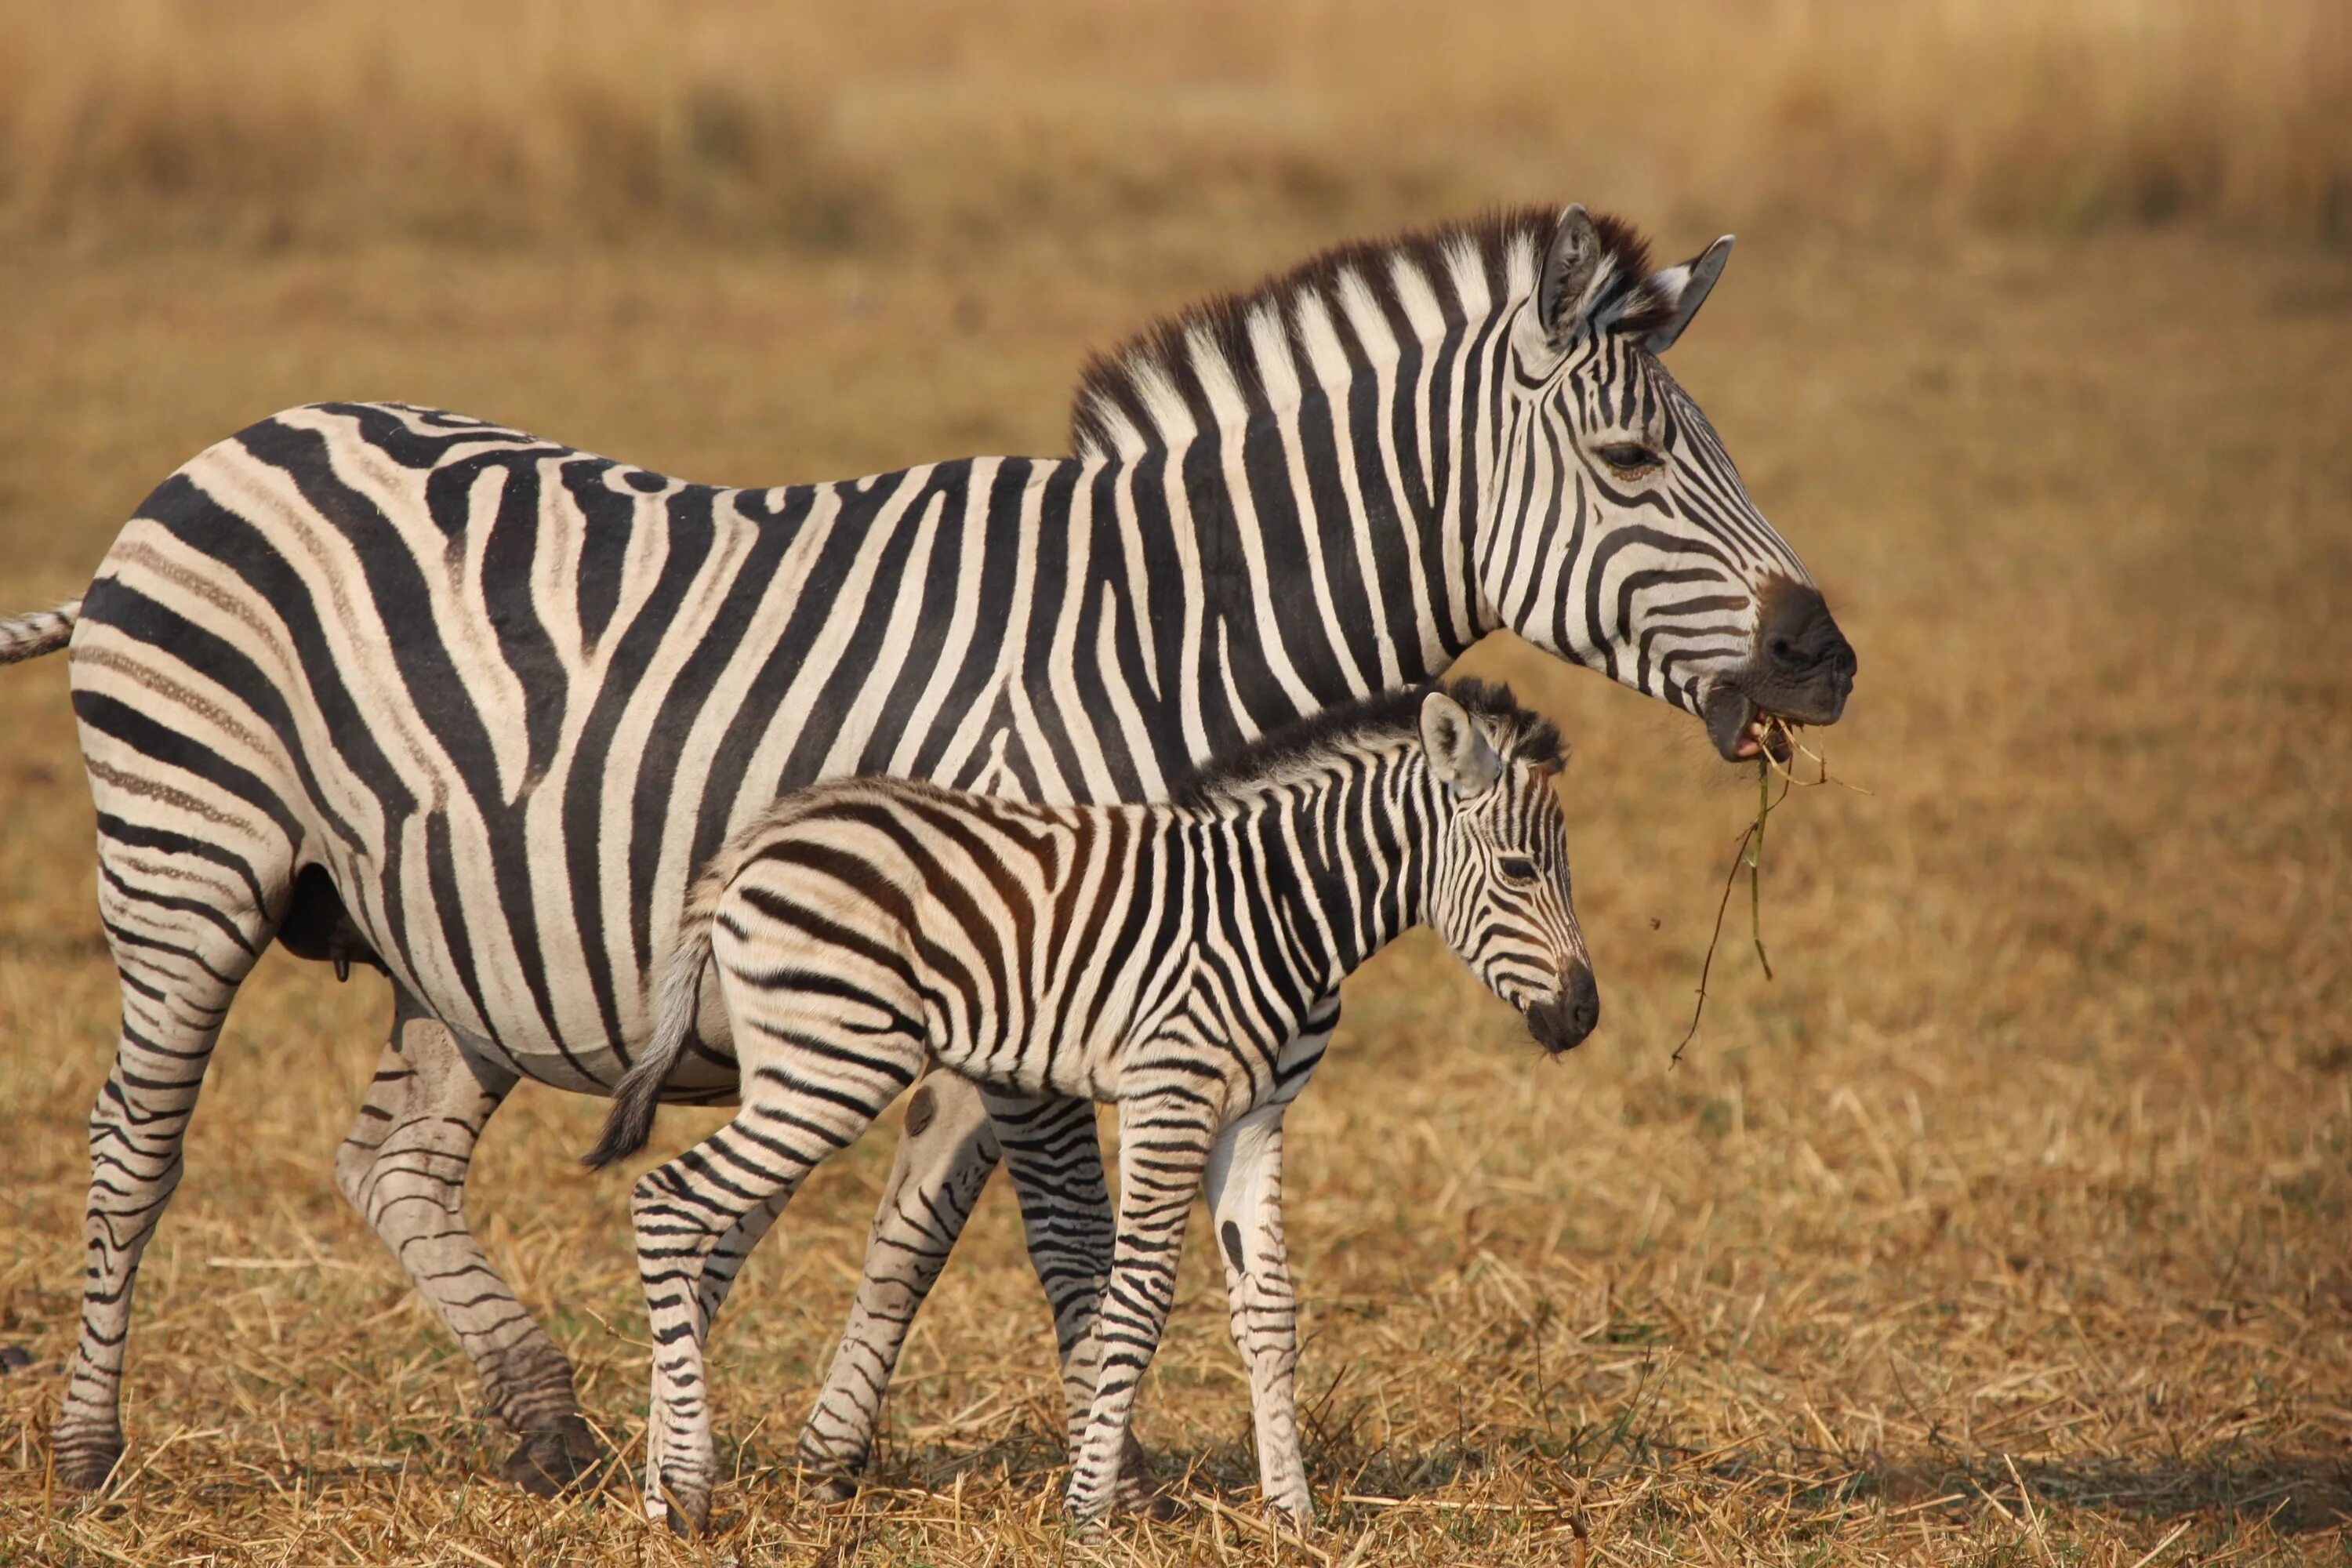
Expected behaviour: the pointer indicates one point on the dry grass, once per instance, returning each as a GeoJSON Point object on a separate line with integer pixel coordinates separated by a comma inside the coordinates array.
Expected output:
{"type": "Point", "coordinates": [281, 122]}
{"type": "Point", "coordinates": [2007, 1226]}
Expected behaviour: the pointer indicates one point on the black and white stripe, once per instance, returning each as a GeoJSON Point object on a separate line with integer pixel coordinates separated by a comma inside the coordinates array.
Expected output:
{"type": "Point", "coordinates": [393, 685]}
{"type": "Point", "coordinates": [1180, 961]}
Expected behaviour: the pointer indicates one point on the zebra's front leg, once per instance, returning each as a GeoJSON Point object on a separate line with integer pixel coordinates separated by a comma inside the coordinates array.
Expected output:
{"type": "Point", "coordinates": [1164, 1144]}
{"type": "Point", "coordinates": [1246, 1201]}
{"type": "Point", "coordinates": [403, 1168]}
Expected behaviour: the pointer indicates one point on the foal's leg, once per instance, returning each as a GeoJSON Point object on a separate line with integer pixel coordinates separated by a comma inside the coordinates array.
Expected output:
{"type": "Point", "coordinates": [1055, 1156]}
{"type": "Point", "coordinates": [951, 1144]}
{"type": "Point", "coordinates": [801, 1101]}
{"type": "Point", "coordinates": [946, 1155]}
{"type": "Point", "coordinates": [1164, 1144]}
{"type": "Point", "coordinates": [1244, 1180]}
{"type": "Point", "coordinates": [403, 1168]}
{"type": "Point", "coordinates": [1246, 1201]}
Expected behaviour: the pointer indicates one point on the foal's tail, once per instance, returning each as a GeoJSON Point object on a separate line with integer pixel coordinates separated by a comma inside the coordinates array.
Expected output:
{"type": "Point", "coordinates": [43, 631]}
{"type": "Point", "coordinates": [638, 1094]}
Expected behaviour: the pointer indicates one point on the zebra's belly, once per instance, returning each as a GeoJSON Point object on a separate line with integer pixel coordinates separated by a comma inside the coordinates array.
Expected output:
{"type": "Point", "coordinates": [699, 1080]}
{"type": "Point", "coordinates": [1041, 1060]}
{"type": "Point", "coordinates": [494, 1009]}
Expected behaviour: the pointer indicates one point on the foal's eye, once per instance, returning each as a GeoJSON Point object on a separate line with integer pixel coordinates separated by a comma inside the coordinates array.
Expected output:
{"type": "Point", "coordinates": [1630, 458]}
{"type": "Point", "coordinates": [1517, 868]}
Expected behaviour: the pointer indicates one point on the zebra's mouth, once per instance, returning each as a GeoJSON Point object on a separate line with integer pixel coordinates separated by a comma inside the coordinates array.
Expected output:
{"type": "Point", "coordinates": [1740, 728]}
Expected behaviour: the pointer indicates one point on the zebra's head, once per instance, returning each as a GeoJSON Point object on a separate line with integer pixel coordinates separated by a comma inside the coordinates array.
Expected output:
{"type": "Point", "coordinates": [1499, 874]}
{"type": "Point", "coordinates": [1618, 533]}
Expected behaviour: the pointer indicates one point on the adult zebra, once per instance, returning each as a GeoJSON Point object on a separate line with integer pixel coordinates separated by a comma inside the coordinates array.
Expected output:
{"type": "Point", "coordinates": [383, 681]}
{"type": "Point", "coordinates": [1175, 959]}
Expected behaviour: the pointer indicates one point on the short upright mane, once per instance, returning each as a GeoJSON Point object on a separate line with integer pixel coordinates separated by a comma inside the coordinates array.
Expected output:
{"type": "Point", "coordinates": [1517, 733]}
{"type": "Point", "coordinates": [1167, 381]}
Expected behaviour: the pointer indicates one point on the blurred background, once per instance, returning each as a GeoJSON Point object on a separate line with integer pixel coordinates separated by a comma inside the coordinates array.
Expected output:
{"type": "Point", "coordinates": [2007, 1223]}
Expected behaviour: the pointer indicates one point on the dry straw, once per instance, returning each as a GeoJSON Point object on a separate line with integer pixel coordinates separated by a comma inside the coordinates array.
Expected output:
{"type": "Point", "coordinates": [1777, 749]}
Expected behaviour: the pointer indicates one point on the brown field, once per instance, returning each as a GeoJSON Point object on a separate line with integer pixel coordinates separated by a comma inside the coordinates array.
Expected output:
{"type": "Point", "coordinates": [2006, 1225]}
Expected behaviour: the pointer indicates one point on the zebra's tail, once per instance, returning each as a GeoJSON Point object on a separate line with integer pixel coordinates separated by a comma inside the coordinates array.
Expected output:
{"type": "Point", "coordinates": [638, 1094]}
{"type": "Point", "coordinates": [43, 631]}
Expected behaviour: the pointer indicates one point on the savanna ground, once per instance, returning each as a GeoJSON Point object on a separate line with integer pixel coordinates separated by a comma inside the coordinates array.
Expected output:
{"type": "Point", "coordinates": [2008, 1224]}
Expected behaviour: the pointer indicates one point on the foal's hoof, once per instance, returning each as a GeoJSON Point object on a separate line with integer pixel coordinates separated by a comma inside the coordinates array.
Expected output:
{"type": "Point", "coordinates": [688, 1518]}
{"type": "Point", "coordinates": [1137, 1497]}
{"type": "Point", "coordinates": [551, 1460]}
{"type": "Point", "coordinates": [84, 1466]}
{"type": "Point", "coordinates": [1136, 1500]}
{"type": "Point", "coordinates": [1296, 1519]}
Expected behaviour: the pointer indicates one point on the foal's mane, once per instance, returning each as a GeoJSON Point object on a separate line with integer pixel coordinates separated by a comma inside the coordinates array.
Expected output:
{"type": "Point", "coordinates": [1392, 717]}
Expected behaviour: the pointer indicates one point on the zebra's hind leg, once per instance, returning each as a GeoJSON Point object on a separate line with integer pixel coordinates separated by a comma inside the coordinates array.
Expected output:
{"type": "Point", "coordinates": [403, 1168]}
{"type": "Point", "coordinates": [185, 925]}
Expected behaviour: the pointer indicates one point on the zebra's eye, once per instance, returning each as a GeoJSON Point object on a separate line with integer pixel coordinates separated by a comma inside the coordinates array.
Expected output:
{"type": "Point", "coordinates": [1631, 458]}
{"type": "Point", "coordinates": [1517, 868]}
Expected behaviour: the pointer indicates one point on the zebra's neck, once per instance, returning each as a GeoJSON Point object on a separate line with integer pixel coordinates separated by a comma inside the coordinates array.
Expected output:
{"type": "Point", "coordinates": [1340, 528]}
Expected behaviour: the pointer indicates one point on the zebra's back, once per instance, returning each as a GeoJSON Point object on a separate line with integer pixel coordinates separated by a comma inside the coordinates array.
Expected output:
{"type": "Point", "coordinates": [511, 694]}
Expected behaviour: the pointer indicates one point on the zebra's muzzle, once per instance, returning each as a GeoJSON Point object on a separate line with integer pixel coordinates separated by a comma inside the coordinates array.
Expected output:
{"type": "Point", "coordinates": [1562, 1022]}
{"type": "Point", "coordinates": [1802, 670]}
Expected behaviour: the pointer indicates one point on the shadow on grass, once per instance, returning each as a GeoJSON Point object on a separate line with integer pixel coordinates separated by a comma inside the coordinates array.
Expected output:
{"type": "Point", "coordinates": [1809, 1489]}
{"type": "Point", "coordinates": [2290, 1492]}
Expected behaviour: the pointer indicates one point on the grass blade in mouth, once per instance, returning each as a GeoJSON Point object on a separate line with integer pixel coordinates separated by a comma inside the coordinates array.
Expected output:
{"type": "Point", "coordinates": [1750, 852]}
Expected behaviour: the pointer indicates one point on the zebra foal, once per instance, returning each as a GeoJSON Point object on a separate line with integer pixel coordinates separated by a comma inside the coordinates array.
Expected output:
{"type": "Point", "coordinates": [1179, 960]}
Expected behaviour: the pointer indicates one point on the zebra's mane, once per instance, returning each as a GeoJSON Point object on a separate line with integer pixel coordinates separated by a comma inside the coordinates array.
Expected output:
{"type": "Point", "coordinates": [1312, 743]}
{"type": "Point", "coordinates": [1171, 380]}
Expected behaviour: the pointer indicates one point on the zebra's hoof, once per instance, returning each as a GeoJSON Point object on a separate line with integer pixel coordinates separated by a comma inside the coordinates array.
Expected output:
{"type": "Point", "coordinates": [551, 1460]}
{"type": "Point", "coordinates": [84, 1460]}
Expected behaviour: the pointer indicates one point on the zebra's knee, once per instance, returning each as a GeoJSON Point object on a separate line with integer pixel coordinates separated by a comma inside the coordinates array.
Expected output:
{"type": "Point", "coordinates": [362, 1147]}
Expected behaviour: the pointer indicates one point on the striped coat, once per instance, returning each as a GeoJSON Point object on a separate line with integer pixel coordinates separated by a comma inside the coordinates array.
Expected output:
{"type": "Point", "coordinates": [395, 686]}
{"type": "Point", "coordinates": [1174, 959]}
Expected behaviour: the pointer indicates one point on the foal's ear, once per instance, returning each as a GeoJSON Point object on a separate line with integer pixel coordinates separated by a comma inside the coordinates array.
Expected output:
{"type": "Point", "coordinates": [1461, 756]}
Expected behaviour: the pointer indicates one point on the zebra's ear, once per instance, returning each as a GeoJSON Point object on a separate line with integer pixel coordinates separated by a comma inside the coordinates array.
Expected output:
{"type": "Point", "coordinates": [1569, 266]}
{"type": "Point", "coordinates": [1682, 291]}
{"type": "Point", "coordinates": [1461, 756]}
